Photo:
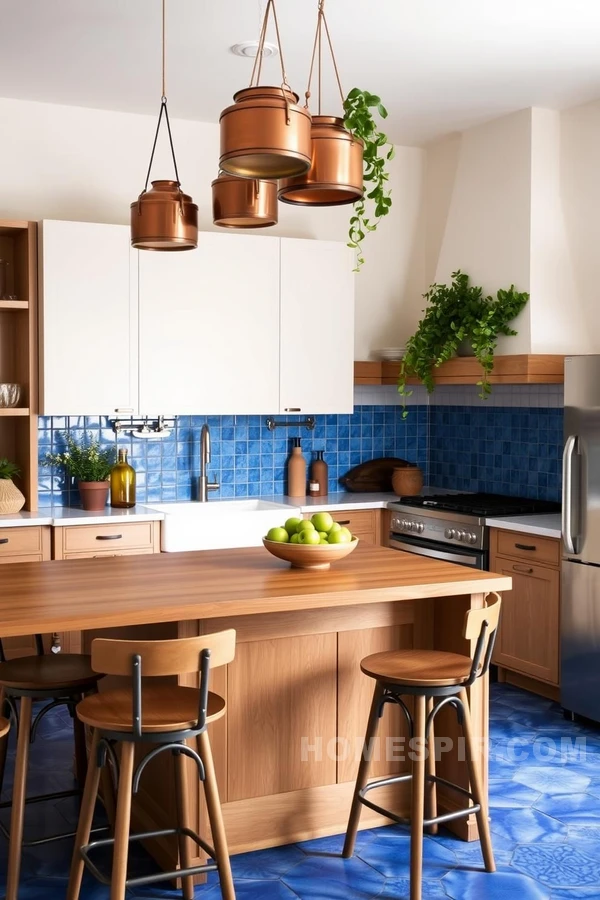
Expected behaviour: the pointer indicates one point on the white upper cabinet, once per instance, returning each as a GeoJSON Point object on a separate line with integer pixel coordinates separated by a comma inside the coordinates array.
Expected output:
{"type": "Point", "coordinates": [209, 327]}
{"type": "Point", "coordinates": [88, 319]}
{"type": "Point", "coordinates": [317, 327]}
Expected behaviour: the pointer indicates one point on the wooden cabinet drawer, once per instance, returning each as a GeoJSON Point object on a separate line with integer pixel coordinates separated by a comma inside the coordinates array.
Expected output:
{"type": "Point", "coordinates": [26, 543]}
{"type": "Point", "coordinates": [532, 547]}
{"type": "Point", "coordinates": [364, 523]}
{"type": "Point", "coordinates": [111, 539]}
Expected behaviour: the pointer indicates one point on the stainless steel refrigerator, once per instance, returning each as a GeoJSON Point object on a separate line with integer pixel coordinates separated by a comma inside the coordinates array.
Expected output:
{"type": "Point", "coordinates": [580, 613]}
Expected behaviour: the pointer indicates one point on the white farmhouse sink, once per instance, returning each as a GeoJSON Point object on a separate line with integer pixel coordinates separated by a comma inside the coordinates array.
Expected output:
{"type": "Point", "coordinates": [218, 524]}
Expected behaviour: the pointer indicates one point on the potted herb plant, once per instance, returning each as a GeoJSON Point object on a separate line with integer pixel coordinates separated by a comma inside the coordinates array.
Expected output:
{"type": "Point", "coordinates": [89, 466]}
{"type": "Point", "coordinates": [456, 313]}
{"type": "Point", "coordinates": [11, 498]}
{"type": "Point", "coordinates": [359, 120]}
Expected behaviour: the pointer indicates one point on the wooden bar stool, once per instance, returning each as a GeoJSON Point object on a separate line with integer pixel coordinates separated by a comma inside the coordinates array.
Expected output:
{"type": "Point", "coordinates": [435, 679]}
{"type": "Point", "coordinates": [167, 716]}
{"type": "Point", "coordinates": [61, 679]}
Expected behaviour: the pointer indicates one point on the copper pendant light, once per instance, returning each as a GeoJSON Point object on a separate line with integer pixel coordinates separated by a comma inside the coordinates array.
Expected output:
{"type": "Point", "coordinates": [244, 202]}
{"type": "Point", "coordinates": [335, 176]}
{"type": "Point", "coordinates": [164, 218]}
{"type": "Point", "coordinates": [265, 133]}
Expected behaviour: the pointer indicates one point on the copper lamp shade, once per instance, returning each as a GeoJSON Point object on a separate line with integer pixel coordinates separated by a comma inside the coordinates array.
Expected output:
{"type": "Point", "coordinates": [164, 218]}
{"type": "Point", "coordinates": [265, 134]}
{"type": "Point", "coordinates": [335, 176]}
{"type": "Point", "coordinates": [244, 202]}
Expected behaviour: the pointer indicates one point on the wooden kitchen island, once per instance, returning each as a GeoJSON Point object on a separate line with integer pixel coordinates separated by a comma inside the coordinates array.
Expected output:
{"type": "Point", "coordinates": [287, 750]}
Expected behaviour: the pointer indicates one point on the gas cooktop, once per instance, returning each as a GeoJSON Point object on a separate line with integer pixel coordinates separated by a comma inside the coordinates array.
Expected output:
{"type": "Point", "coordinates": [481, 504]}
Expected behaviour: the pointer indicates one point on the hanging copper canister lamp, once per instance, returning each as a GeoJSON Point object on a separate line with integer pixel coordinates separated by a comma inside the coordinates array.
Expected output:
{"type": "Point", "coordinates": [265, 133]}
{"type": "Point", "coordinates": [164, 218]}
{"type": "Point", "coordinates": [335, 176]}
{"type": "Point", "coordinates": [244, 202]}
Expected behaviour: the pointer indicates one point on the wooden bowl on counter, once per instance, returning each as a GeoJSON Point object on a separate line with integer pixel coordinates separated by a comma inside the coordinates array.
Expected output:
{"type": "Point", "coordinates": [310, 556]}
{"type": "Point", "coordinates": [407, 481]}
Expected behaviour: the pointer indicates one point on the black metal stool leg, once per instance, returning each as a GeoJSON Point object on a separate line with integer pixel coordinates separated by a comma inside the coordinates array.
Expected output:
{"type": "Point", "coordinates": [363, 771]}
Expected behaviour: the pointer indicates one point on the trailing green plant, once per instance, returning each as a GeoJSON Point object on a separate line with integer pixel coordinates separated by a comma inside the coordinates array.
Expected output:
{"type": "Point", "coordinates": [358, 119]}
{"type": "Point", "coordinates": [83, 461]}
{"type": "Point", "coordinates": [8, 470]}
{"type": "Point", "coordinates": [455, 313]}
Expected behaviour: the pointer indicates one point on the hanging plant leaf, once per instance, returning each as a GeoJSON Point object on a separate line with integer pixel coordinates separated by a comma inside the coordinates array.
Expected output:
{"type": "Point", "coordinates": [358, 119]}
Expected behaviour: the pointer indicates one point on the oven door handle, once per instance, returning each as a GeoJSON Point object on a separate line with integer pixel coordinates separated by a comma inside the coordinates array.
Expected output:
{"type": "Point", "coordinates": [435, 554]}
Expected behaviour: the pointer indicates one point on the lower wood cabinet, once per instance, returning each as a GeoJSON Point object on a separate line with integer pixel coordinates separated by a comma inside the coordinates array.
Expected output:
{"type": "Point", "coordinates": [110, 539]}
{"type": "Point", "coordinates": [25, 543]}
{"type": "Point", "coordinates": [528, 638]}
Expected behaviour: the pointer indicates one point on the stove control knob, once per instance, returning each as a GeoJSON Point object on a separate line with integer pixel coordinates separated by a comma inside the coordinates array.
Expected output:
{"type": "Point", "coordinates": [461, 535]}
{"type": "Point", "coordinates": [472, 538]}
{"type": "Point", "coordinates": [450, 533]}
{"type": "Point", "coordinates": [420, 528]}
{"type": "Point", "coordinates": [414, 526]}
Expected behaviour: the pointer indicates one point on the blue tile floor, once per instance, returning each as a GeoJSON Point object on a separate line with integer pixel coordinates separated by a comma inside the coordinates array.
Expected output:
{"type": "Point", "coordinates": [545, 811]}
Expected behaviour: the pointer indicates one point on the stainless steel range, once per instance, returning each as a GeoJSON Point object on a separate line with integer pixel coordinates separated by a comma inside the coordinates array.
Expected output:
{"type": "Point", "coordinates": [452, 526]}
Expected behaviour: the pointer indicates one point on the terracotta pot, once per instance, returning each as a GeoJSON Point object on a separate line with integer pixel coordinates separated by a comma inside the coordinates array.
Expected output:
{"type": "Point", "coordinates": [407, 481]}
{"type": "Point", "coordinates": [265, 134]}
{"type": "Point", "coordinates": [335, 176]}
{"type": "Point", "coordinates": [94, 494]}
{"type": "Point", "coordinates": [11, 498]}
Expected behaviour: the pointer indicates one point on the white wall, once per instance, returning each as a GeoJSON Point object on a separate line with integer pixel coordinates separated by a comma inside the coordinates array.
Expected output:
{"type": "Point", "coordinates": [81, 164]}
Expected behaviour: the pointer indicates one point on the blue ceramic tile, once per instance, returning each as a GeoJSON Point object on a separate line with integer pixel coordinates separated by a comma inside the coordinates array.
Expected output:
{"type": "Point", "coordinates": [551, 779]}
{"type": "Point", "coordinates": [389, 854]}
{"type": "Point", "coordinates": [572, 809]}
{"type": "Point", "coordinates": [400, 888]}
{"type": "Point", "coordinates": [502, 885]}
{"type": "Point", "coordinates": [266, 865]}
{"type": "Point", "coordinates": [331, 878]}
{"type": "Point", "coordinates": [563, 866]}
{"type": "Point", "coordinates": [526, 826]}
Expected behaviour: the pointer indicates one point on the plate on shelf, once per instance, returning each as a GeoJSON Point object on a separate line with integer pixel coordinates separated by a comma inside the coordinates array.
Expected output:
{"type": "Point", "coordinates": [390, 354]}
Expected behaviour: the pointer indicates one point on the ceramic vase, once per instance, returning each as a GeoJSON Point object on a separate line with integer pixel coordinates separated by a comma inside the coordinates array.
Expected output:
{"type": "Point", "coordinates": [94, 494]}
{"type": "Point", "coordinates": [11, 498]}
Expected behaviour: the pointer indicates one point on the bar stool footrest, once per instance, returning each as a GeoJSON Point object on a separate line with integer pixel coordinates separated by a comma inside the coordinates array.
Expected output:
{"type": "Point", "coordinates": [402, 820]}
{"type": "Point", "coordinates": [39, 798]}
{"type": "Point", "coordinates": [158, 876]}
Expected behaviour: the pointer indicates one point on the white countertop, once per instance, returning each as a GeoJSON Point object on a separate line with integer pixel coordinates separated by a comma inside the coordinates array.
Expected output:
{"type": "Point", "coordinates": [337, 501]}
{"type": "Point", "coordinates": [65, 515]}
{"type": "Point", "coordinates": [544, 525]}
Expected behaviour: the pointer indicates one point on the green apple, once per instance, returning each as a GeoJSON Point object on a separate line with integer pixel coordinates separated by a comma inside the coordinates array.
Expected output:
{"type": "Point", "coordinates": [291, 526]}
{"type": "Point", "coordinates": [278, 534]}
{"type": "Point", "coordinates": [347, 531]}
{"type": "Point", "coordinates": [324, 541]}
{"type": "Point", "coordinates": [309, 537]}
{"type": "Point", "coordinates": [295, 539]}
{"type": "Point", "coordinates": [322, 521]}
{"type": "Point", "coordinates": [323, 534]}
{"type": "Point", "coordinates": [305, 525]}
{"type": "Point", "coordinates": [335, 527]}
{"type": "Point", "coordinates": [339, 537]}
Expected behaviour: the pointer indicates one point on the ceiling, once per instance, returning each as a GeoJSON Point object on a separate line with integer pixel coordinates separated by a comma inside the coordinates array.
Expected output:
{"type": "Point", "coordinates": [439, 65]}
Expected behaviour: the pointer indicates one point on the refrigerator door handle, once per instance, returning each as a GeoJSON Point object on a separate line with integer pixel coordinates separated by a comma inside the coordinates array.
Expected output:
{"type": "Point", "coordinates": [567, 504]}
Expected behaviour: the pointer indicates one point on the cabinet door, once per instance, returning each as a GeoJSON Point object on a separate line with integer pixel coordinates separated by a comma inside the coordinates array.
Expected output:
{"type": "Point", "coordinates": [209, 324]}
{"type": "Point", "coordinates": [89, 311]}
{"type": "Point", "coordinates": [317, 327]}
{"type": "Point", "coordinates": [528, 637]}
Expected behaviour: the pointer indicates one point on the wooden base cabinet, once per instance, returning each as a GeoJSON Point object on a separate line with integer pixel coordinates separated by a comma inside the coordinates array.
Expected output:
{"type": "Point", "coordinates": [21, 545]}
{"type": "Point", "coordinates": [528, 637]}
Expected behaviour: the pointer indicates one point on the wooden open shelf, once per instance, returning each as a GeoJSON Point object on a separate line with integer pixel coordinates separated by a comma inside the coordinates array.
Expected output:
{"type": "Point", "coordinates": [14, 304]}
{"type": "Point", "coordinates": [525, 368]}
{"type": "Point", "coordinates": [19, 353]}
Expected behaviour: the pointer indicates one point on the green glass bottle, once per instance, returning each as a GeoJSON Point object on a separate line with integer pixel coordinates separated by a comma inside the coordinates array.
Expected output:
{"type": "Point", "coordinates": [122, 483]}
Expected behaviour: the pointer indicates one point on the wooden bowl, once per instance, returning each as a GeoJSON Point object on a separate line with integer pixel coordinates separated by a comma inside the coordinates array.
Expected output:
{"type": "Point", "coordinates": [310, 556]}
{"type": "Point", "coordinates": [407, 481]}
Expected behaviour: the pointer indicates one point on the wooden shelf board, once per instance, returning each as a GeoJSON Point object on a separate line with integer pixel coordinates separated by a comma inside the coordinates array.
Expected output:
{"type": "Point", "coordinates": [518, 369]}
{"type": "Point", "coordinates": [14, 304]}
{"type": "Point", "coordinates": [15, 411]}
{"type": "Point", "coordinates": [9, 226]}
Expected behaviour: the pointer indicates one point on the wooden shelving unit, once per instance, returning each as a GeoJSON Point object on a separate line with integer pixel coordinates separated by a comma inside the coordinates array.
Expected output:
{"type": "Point", "coordinates": [525, 368]}
{"type": "Point", "coordinates": [19, 352]}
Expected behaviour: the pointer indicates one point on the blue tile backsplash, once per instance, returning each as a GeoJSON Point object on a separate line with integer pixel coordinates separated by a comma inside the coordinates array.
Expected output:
{"type": "Point", "coordinates": [509, 450]}
{"type": "Point", "coordinates": [503, 450]}
{"type": "Point", "coordinates": [247, 459]}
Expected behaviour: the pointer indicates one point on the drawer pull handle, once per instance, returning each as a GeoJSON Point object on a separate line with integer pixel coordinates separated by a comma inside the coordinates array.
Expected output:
{"type": "Point", "coordinates": [109, 537]}
{"type": "Point", "coordinates": [525, 569]}
{"type": "Point", "coordinates": [4, 540]}
{"type": "Point", "coordinates": [292, 409]}
{"type": "Point", "coordinates": [343, 521]}
{"type": "Point", "coordinates": [525, 547]}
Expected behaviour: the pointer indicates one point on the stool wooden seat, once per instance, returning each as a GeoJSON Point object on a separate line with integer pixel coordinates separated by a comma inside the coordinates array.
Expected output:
{"type": "Point", "coordinates": [167, 718]}
{"type": "Point", "coordinates": [165, 708]}
{"type": "Point", "coordinates": [4, 726]}
{"type": "Point", "coordinates": [434, 679]}
{"type": "Point", "coordinates": [415, 667]}
{"type": "Point", "coordinates": [60, 679]}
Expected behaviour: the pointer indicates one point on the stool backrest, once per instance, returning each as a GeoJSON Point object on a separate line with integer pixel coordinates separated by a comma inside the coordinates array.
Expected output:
{"type": "Point", "coordinates": [482, 625]}
{"type": "Point", "coordinates": [158, 658]}
{"type": "Point", "coordinates": [178, 657]}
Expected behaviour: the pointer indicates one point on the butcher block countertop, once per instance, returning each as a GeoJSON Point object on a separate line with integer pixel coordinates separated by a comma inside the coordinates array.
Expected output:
{"type": "Point", "coordinates": [134, 590]}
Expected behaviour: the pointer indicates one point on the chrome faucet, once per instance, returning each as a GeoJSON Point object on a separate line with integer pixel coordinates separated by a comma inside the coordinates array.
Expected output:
{"type": "Point", "coordinates": [205, 485]}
